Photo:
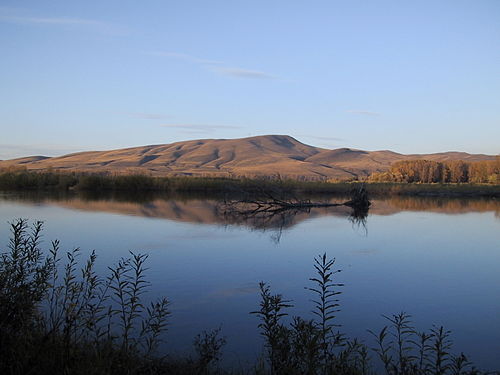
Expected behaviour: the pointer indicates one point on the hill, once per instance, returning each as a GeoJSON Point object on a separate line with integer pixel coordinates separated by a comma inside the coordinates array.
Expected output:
{"type": "Point", "coordinates": [253, 156]}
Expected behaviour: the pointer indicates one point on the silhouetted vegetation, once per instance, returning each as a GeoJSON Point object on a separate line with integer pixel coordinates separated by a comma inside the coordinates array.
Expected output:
{"type": "Point", "coordinates": [359, 200]}
{"type": "Point", "coordinates": [22, 179]}
{"type": "Point", "coordinates": [277, 205]}
{"type": "Point", "coordinates": [317, 346]}
{"type": "Point", "coordinates": [56, 319]}
{"type": "Point", "coordinates": [398, 183]}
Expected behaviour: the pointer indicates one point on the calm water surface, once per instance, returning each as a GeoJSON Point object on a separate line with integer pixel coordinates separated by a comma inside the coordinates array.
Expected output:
{"type": "Point", "coordinates": [436, 259]}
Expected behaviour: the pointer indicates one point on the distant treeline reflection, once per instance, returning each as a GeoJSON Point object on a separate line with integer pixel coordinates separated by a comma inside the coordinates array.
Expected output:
{"type": "Point", "coordinates": [204, 209]}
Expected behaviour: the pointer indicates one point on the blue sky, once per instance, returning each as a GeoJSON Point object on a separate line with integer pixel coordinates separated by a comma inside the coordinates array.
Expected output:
{"type": "Point", "coordinates": [410, 76]}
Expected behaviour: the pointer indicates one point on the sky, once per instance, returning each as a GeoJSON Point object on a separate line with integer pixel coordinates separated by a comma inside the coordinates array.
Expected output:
{"type": "Point", "coordinates": [409, 76]}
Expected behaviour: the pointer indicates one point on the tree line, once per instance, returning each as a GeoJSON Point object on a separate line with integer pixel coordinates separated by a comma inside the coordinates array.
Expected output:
{"type": "Point", "coordinates": [453, 171]}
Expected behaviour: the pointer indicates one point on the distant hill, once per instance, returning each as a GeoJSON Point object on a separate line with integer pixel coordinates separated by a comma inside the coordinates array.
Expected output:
{"type": "Point", "coordinates": [253, 156]}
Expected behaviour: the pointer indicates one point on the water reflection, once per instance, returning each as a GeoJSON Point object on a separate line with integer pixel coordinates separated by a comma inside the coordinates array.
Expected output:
{"type": "Point", "coordinates": [207, 210]}
{"type": "Point", "coordinates": [436, 258]}
{"type": "Point", "coordinates": [358, 218]}
{"type": "Point", "coordinates": [203, 210]}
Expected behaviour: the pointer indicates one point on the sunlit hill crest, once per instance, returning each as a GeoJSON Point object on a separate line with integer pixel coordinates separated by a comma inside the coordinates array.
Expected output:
{"type": "Point", "coordinates": [253, 156]}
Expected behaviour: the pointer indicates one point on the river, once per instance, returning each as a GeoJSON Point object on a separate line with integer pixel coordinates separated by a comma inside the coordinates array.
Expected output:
{"type": "Point", "coordinates": [437, 259]}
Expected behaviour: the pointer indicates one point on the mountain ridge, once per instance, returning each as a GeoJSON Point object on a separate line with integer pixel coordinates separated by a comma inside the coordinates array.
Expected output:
{"type": "Point", "coordinates": [252, 156]}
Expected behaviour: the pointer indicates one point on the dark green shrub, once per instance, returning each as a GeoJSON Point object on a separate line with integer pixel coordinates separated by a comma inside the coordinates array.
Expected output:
{"type": "Point", "coordinates": [55, 318]}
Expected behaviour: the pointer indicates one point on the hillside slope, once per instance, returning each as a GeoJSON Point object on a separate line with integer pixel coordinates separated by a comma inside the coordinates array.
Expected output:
{"type": "Point", "coordinates": [253, 156]}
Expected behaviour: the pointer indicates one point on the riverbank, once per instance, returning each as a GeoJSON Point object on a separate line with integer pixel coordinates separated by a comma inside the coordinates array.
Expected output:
{"type": "Point", "coordinates": [56, 181]}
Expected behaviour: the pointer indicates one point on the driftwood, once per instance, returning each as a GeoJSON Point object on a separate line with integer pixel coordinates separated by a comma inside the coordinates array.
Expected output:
{"type": "Point", "coordinates": [275, 202]}
{"type": "Point", "coordinates": [276, 209]}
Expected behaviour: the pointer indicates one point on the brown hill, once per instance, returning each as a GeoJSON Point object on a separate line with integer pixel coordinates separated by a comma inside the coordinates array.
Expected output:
{"type": "Point", "coordinates": [254, 156]}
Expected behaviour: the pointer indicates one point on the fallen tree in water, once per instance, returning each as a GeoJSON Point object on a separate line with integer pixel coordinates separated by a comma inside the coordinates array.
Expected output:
{"type": "Point", "coordinates": [278, 200]}
{"type": "Point", "coordinates": [276, 208]}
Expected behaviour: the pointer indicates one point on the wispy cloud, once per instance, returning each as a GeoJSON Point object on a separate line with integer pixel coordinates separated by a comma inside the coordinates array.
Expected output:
{"type": "Point", "coordinates": [199, 128]}
{"type": "Point", "coordinates": [216, 66]}
{"type": "Point", "coordinates": [326, 142]}
{"type": "Point", "coordinates": [366, 113]}
{"type": "Point", "coordinates": [335, 139]}
{"type": "Point", "coordinates": [243, 73]}
{"type": "Point", "coordinates": [10, 151]}
{"type": "Point", "coordinates": [52, 20]}
{"type": "Point", "coordinates": [11, 15]}
{"type": "Point", "coordinates": [185, 57]}
{"type": "Point", "coordinates": [147, 116]}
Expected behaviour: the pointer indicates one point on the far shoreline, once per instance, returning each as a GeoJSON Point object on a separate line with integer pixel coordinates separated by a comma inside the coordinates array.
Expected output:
{"type": "Point", "coordinates": [24, 180]}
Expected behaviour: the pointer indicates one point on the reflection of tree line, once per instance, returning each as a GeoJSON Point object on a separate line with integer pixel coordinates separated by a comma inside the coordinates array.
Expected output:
{"type": "Point", "coordinates": [204, 211]}
{"type": "Point", "coordinates": [443, 205]}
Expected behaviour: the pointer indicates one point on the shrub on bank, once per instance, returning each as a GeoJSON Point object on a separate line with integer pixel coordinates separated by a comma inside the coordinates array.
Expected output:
{"type": "Point", "coordinates": [21, 179]}
{"type": "Point", "coordinates": [58, 319]}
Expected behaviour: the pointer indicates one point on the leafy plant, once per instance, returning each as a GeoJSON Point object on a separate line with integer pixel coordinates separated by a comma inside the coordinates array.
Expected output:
{"type": "Point", "coordinates": [208, 346]}
{"type": "Point", "coordinates": [326, 305]}
{"type": "Point", "coordinates": [63, 318]}
{"type": "Point", "coordinates": [52, 316]}
{"type": "Point", "coordinates": [276, 335]}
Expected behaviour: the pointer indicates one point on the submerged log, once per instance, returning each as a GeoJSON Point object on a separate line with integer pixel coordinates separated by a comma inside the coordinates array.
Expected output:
{"type": "Point", "coordinates": [276, 208]}
{"type": "Point", "coordinates": [269, 202]}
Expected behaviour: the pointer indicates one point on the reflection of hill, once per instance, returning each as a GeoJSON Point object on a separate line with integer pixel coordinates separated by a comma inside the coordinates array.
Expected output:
{"type": "Point", "coordinates": [199, 211]}
{"type": "Point", "coordinates": [192, 211]}
{"type": "Point", "coordinates": [206, 211]}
